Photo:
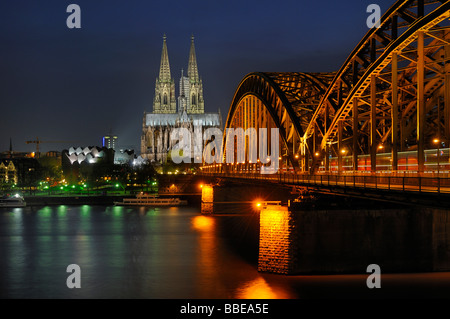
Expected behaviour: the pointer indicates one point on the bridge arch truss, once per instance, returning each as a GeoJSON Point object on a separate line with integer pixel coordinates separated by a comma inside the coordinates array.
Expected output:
{"type": "Point", "coordinates": [391, 97]}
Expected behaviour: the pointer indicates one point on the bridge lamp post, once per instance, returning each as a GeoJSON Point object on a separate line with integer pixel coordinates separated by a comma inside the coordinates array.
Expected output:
{"type": "Point", "coordinates": [297, 162]}
{"type": "Point", "coordinates": [380, 148]}
{"type": "Point", "coordinates": [317, 155]}
{"type": "Point", "coordinates": [437, 142]}
{"type": "Point", "coordinates": [280, 159]}
{"type": "Point", "coordinates": [344, 152]}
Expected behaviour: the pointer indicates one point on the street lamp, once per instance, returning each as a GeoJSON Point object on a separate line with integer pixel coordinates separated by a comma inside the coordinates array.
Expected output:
{"type": "Point", "coordinates": [437, 142]}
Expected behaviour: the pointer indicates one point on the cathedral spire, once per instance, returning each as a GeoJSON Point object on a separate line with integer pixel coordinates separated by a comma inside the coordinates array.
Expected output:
{"type": "Point", "coordinates": [164, 69]}
{"type": "Point", "coordinates": [164, 100]}
{"type": "Point", "coordinates": [192, 68]}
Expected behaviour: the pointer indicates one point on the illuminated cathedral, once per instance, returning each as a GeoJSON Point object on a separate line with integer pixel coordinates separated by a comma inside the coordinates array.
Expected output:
{"type": "Point", "coordinates": [169, 112]}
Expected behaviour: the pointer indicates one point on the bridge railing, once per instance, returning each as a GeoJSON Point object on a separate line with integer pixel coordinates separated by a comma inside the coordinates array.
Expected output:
{"type": "Point", "coordinates": [421, 184]}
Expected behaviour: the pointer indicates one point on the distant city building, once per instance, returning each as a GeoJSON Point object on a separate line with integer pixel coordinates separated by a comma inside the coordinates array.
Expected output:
{"type": "Point", "coordinates": [110, 141]}
{"type": "Point", "coordinates": [23, 171]}
{"type": "Point", "coordinates": [53, 154]}
{"type": "Point", "coordinates": [124, 157]}
{"type": "Point", "coordinates": [8, 172]}
{"type": "Point", "coordinates": [94, 154]}
{"type": "Point", "coordinates": [128, 157]}
{"type": "Point", "coordinates": [76, 158]}
{"type": "Point", "coordinates": [14, 154]}
{"type": "Point", "coordinates": [90, 155]}
{"type": "Point", "coordinates": [158, 125]}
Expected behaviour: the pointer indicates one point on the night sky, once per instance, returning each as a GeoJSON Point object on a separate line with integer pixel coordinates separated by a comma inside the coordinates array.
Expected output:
{"type": "Point", "coordinates": [76, 85]}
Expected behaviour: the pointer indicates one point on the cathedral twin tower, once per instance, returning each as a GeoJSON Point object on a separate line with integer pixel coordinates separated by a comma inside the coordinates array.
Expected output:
{"type": "Point", "coordinates": [191, 88]}
{"type": "Point", "coordinates": [158, 125]}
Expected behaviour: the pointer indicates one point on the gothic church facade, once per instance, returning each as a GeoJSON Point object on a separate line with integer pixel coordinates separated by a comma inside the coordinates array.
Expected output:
{"type": "Point", "coordinates": [169, 112]}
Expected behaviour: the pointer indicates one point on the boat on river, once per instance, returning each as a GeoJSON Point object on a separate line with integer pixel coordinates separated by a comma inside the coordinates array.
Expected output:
{"type": "Point", "coordinates": [12, 201]}
{"type": "Point", "coordinates": [151, 200]}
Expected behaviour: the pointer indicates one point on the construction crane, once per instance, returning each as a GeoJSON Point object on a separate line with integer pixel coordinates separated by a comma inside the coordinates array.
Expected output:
{"type": "Point", "coordinates": [38, 141]}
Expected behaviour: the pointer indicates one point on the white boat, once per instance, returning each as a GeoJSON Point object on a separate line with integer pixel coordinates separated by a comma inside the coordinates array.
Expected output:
{"type": "Point", "coordinates": [151, 200]}
{"type": "Point", "coordinates": [12, 201]}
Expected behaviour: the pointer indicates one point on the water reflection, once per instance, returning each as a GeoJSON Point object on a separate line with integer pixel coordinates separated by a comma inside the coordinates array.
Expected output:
{"type": "Point", "coordinates": [207, 266]}
{"type": "Point", "coordinates": [138, 252]}
{"type": "Point", "coordinates": [259, 289]}
{"type": "Point", "coordinates": [220, 272]}
{"type": "Point", "coordinates": [203, 223]}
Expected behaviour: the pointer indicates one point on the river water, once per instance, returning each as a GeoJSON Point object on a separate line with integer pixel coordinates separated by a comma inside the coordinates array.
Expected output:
{"type": "Point", "coordinates": [164, 253]}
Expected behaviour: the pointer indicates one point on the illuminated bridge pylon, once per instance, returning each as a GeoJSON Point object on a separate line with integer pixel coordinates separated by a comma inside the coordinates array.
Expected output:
{"type": "Point", "coordinates": [386, 109]}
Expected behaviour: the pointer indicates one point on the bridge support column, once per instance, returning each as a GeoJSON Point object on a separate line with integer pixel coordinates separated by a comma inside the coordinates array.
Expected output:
{"type": "Point", "coordinates": [277, 240]}
{"type": "Point", "coordinates": [207, 199]}
{"type": "Point", "coordinates": [402, 134]}
{"type": "Point", "coordinates": [303, 241]}
{"type": "Point", "coordinates": [373, 124]}
{"type": "Point", "coordinates": [340, 150]}
{"type": "Point", "coordinates": [420, 102]}
{"type": "Point", "coordinates": [355, 134]}
{"type": "Point", "coordinates": [327, 147]}
{"type": "Point", "coordinates": [327, 158]}
{"type": "Point", "coordinates": [305, 157]}
{"type": "Point", "coordinates": [394, 112]}
{"type": "Point", "coordinates": [447, 94]}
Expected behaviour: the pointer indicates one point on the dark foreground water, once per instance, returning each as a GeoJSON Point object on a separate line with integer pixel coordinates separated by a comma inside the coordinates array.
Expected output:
{"type": "Point", "coordinates": [163, 253]}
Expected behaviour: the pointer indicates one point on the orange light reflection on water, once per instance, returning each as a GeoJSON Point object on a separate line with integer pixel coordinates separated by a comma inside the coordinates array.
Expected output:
{"type": "Point", "coordinates": [203, 223]}
{"type": "Point", "coordinates": [258, 288]}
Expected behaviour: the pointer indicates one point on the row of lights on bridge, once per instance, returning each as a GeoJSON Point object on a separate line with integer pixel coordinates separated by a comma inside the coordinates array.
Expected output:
{"type": "Point", "coordinates": [244, 162]}
{"type": "Point", "coordinates": [343, 151]}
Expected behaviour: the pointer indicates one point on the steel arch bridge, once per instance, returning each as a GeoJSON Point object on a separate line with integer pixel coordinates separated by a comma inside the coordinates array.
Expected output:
{"type": "Point", "coordinates": [386, 109]}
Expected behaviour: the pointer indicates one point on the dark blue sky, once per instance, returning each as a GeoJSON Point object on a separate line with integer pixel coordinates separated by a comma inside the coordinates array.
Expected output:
{"type": "Point", "coordinates": [78, 84]}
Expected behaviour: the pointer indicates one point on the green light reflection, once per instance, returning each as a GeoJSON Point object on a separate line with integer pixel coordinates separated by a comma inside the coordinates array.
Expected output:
{"type": "Point", "coordinates": [62, 211]}
{"type": "Point", "coordinates": [45, 211]}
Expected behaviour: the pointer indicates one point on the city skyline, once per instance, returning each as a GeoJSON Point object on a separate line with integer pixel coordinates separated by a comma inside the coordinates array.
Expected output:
{"type": "Point", "coordinates": [304, 153]}
{"type": "Point", "coordinates": [79, 84]}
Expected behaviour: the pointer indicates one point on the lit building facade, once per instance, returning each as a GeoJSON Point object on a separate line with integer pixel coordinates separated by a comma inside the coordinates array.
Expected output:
{"type": "Point", "coordinates": [8, 172]}
{"type": "Point", "coordinates": [110, 141]}
{"type": "Point", "coordinates": [158, 126]}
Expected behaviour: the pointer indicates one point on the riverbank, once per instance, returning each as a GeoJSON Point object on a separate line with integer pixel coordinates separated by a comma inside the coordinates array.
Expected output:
{"type": "Point", "coordinates": [106, 200]}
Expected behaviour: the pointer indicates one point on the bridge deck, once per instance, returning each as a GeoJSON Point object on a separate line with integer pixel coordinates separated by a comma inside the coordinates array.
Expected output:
{"type": "Point", "coordinates": [411, 184]}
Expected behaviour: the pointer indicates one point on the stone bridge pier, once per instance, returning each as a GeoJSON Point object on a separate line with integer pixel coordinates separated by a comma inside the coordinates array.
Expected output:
{"type": "Point", "coordinates": [295, 241]}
